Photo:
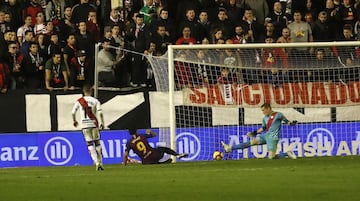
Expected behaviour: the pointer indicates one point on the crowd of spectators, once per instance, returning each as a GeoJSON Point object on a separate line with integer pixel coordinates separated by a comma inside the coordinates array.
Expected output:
{"type": "Point", "coordinates": [49, 44]}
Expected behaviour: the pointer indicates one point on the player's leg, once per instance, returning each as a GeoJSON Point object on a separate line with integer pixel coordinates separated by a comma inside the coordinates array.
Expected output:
{"type": "Point", "coordinates": [89, 142]}
{"type": "Point", "coordinates": [244, 145]}
{"type": "Point", "coordinates": [272, 147]}
{"type": "Point", "coordinates": [167, 150]}
{"type": "Point", "coordinates": [289, 154]}
{"type": "Point", "coordinates": [98, 148]}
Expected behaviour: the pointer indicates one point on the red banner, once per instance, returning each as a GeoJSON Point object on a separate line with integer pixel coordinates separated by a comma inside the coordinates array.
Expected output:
{"type": "Point", "coordinates": [316, 94]}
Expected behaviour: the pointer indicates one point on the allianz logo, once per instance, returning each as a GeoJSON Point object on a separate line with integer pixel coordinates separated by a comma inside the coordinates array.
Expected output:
{"type": "Point", "coordinates": [57, 151]}
{"type": "Point", "coordinates": [321, 136]}
{"type": "Point", "coordinates": [22, 153]}
{"type": "Point", "coordinates": [188, 143]}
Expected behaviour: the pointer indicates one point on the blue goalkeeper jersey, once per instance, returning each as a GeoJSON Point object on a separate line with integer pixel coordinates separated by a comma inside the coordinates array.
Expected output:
{"type": "Point", "coordinates": [272, 124]}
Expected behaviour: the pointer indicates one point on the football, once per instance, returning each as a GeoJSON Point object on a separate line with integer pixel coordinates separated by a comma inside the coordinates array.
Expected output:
{"type": "Point", "coordinates": [218, 155]}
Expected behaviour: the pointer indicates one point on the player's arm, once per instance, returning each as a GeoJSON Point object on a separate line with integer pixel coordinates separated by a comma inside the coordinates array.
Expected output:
{"type": "Point", "coordinates": [290, 123]}
{"type": "Point", "coordinates": [75, 123]}
{"type": "Point", "coordinates": [73, 112]}
{"type": "Point", "coordinates": [102, 124]}
{"type": "Point", "coordinates": [101, 115]}
{"type": "Point", "coordinates": [125, 159]}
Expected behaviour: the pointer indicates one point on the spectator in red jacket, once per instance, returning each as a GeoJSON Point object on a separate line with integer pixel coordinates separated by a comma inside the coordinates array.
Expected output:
{"type": "Point", "coordinates": [4, 75]}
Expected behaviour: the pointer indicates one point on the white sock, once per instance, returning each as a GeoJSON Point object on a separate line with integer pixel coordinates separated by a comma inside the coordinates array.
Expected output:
{"type": "Point", "coordinates": [93, 154]}
{"type": "Point", "coordinates": [99, 153]}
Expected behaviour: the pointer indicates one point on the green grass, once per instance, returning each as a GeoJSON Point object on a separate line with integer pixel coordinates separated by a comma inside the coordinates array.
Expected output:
{"type": "Point", "coordinates": [324, 178]}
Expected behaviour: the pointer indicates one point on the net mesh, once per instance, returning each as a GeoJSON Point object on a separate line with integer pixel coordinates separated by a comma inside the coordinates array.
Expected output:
{"type": "Point", "coordinates": [218, 91]}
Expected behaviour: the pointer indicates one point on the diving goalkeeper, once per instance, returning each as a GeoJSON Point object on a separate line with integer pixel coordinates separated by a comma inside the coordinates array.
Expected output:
{"type": "Point", "coordinates": [271, 126]}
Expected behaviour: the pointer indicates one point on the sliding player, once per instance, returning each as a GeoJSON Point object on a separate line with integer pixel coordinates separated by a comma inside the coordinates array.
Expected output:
{"type": "Point", "coordinates": [271, 125]}
{"type": "Point", "coordinates": [90, 107]}
{"type": "Point", "coordinates": [149, 155]}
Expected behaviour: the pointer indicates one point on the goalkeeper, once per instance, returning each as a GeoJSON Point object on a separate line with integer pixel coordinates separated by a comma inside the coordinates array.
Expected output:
{"type": "Point", "coordinates": [271, 126]}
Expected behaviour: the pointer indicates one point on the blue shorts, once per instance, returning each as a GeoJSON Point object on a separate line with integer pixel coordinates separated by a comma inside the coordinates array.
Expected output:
{"type": "Point", "coordinates": [270, 142]}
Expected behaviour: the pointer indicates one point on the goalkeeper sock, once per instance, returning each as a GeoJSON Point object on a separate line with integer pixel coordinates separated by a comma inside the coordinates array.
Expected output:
{"type": "Point", "coordinates": [281, 155]}
{"type": "Point", "coordinates": [93, 154]}
{"type": "Point", "coordinates": [242, 145]}
{"type": "Point", "coordinates": [99, 153]}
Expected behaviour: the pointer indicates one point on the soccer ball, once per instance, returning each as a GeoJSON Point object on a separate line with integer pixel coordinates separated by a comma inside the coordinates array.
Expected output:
{"type": "Point", "coordinates": [218, 155]}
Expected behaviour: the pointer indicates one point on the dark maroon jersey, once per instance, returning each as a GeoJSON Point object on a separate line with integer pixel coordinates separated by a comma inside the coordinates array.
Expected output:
{"type": "Point", "coordinates": [142, 148]}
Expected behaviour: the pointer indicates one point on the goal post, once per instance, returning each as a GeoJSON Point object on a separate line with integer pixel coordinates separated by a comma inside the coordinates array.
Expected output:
{"type": "Point", "coordinates": [211, 93]}
{"type": "Point", "coordinates": [223, 86]}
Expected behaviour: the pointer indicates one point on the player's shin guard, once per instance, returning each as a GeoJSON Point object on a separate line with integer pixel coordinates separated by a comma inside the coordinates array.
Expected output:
{"type": "Point", "coordinates": [93, 154]}
{"type": "Point", "coordinates": [242, 145]}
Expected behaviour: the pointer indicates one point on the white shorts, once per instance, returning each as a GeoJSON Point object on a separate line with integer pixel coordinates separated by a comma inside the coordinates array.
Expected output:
{"type": "Point", "coordinates": [91, 134]}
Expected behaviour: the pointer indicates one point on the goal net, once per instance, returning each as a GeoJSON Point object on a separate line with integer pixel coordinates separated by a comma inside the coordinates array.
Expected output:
{"type": "Point", "coordinates": [214, 93]}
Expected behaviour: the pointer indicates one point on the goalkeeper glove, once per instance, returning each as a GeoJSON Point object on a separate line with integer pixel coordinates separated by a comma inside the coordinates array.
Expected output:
{"type": "Point", "coordinates": [292, 123]}
{"type": "Point", "coordinates": [251, 134]}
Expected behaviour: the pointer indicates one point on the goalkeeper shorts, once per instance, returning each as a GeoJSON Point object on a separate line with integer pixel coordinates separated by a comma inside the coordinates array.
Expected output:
{"type": "Point", "coordinates": [270, 142]}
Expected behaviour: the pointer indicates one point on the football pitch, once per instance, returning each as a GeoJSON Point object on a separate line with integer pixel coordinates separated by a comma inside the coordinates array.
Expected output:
{"type": "Point", "coordinates": [320, 179]}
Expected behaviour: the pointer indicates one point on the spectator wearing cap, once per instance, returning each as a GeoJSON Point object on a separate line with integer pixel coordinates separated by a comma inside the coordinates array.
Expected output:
{"type": "Point", "coordinates": [85, 41]}
{"type": "Point", "coordinates": [80, 66]}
